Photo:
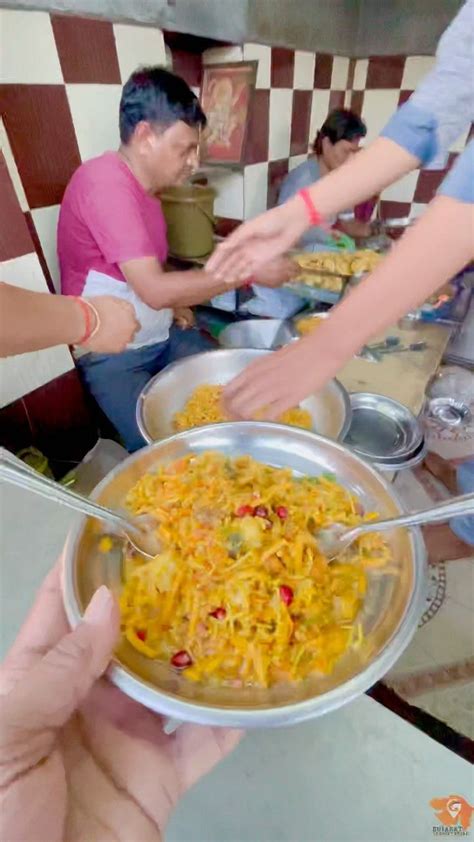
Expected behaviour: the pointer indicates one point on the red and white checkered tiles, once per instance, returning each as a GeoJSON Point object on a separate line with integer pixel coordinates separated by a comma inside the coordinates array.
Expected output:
{"type": "Point", "coordinates": [60, 89]}
{"type": "Point", "coordinates": [295, 92]}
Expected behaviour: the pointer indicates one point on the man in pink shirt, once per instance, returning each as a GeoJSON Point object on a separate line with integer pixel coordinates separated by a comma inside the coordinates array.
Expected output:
{"type": "Point", "coordinates": [112, 238]}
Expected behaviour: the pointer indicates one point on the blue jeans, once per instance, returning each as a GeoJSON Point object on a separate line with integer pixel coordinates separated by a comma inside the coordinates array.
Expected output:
{"type": "Point", "coordinates": [116, 380]}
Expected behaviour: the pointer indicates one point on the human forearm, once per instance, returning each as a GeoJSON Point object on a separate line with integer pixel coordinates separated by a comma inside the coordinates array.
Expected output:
{"type": "Point", "coordinates": [430, 253]}
{"type": "Point", "coordinates": [30, 321]}
{"type": "Point", "coordinates": [161, 290]}
{"type": "Point", "coordinates": [185, 289]}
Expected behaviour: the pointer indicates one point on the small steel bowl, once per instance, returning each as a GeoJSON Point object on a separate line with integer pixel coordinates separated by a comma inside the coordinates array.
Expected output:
{"type": "Point", "coordinates": [389, 616]}
{"type": "Point", "coordinates": [168, 392]}
{"type": "Point", "coordinates": [382, 429]}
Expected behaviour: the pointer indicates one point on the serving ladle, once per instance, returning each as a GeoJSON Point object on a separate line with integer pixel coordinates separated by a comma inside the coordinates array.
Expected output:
{"type": "Point", "coordinates": [336, 538]}
{"type": "Point", "coordinates": [139, 531]}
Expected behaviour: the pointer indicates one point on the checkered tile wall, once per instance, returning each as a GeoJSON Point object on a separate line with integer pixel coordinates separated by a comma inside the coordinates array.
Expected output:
{"type": "Point", "coordinates": [60, 88]}
{"type": "Point", "coordinates": [295, 92]}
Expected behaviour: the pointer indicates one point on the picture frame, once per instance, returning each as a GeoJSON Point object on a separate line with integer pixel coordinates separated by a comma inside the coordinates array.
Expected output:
{"type": "Point", "coordinates": [226, 96]}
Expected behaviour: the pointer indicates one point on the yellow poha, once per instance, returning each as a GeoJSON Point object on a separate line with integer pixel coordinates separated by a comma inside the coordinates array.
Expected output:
{"type": "Point", "coordinates": [205, 407]}
{"type": "Point", "coordinates": [241, 594]}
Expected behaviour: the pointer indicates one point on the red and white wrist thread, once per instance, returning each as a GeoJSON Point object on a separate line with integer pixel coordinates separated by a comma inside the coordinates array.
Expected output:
{"type": "Point", "coordinates": [91, 320]}
{"type": "Point", "coordinates": [314, 217]}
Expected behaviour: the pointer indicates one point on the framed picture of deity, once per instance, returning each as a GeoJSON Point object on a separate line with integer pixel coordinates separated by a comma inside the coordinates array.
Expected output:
{"type": "Point", "coordinates": [226, 96]}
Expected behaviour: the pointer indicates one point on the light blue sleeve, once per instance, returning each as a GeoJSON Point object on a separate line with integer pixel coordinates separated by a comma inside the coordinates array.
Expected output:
{"type": "Point", "coordinates": [442, 106]}
{"type": "Point", "coordinates": [459, 182]}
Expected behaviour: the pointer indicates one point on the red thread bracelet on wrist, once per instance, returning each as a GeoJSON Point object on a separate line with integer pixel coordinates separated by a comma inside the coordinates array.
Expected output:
{"type": "Point", "coordinates": [313, 214]}
{"type": "Point", "coordinates": [89, 312]}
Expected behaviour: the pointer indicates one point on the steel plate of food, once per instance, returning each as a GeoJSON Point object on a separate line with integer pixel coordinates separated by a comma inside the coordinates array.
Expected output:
{"type": "Point", "coordinates": [240, 619]}
{"type": "Point", "coordinates": [188, 394]}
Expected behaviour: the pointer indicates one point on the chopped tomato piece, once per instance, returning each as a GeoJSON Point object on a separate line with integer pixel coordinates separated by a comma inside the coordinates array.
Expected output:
{"type": "Point", "coordinates": [181, 660]}
{"type": "Point", "coordinates": [219, 613]}
{"type": "Point", "coordinates": [244, 511]}
{"type": "Point", "coordinates": [286, 594]}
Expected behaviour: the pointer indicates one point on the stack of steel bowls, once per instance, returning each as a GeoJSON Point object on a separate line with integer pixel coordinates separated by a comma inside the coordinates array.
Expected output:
{"type": "Point", "coordinates": [385, 432]}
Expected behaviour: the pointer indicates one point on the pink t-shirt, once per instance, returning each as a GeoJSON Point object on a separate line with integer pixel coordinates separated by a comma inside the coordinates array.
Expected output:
{"type": "Point", "coordinates": [106, 218]}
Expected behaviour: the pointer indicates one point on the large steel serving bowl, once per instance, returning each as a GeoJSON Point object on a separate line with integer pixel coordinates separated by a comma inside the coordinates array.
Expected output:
{"type": "Point", "coordinates": [168, 391]}
{"type": "Point", "coordinates": [389, 616]}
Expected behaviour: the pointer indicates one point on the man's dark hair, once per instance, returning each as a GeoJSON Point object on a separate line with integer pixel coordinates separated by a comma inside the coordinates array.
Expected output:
{"type": "Point", "coordinates": [157, 96]}
{"type": "Point", "coordinates": [340, 124]}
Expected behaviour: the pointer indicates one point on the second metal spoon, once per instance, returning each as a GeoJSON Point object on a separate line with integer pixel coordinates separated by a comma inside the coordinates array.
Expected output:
{"type": "Point", "coordinates": [336, 538]}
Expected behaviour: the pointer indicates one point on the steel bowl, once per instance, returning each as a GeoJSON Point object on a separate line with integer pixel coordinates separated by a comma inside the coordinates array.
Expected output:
{"type": "Point", "coordinates": [389, 617]}
{"type": "Point", "coordinates": [383, 429]}
{"type": "Point", "coordinates": [167, 393]}
{"type": "Point", "coordinates": [259, 334]}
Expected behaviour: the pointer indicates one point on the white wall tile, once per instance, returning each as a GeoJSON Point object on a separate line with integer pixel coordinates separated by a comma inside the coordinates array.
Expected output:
{"type": "Point", "coordinates": [229, 187]}
{"type": "Point", "coordinates": [168, 57]}
{"type": "Point", "coordinates": [417, 209]}
{"type": "Point", "coordinates": [24, 272]}
{"type": "Point", "coordinates": [319, 112]}
{"type": "Point", "coordinates": [12, 167]}
{"type": "Point", "coordinates": [360, 74]}
{"type": "Point", "coordinates": [262, 54]}
{"type": "Point", "coordinates": [28, 48]}
{"type": "Point", "coordinates": [21, 374]}
{"type": "Point", "coordinates": [402, 190]}
{"type": "Point", "coordinates": [304, 71]}
{"type": "Point", "coordinates": [218, 55]}
{"type": "Point", "coordinates": [296, 160]}
{"type": "Point", "coordinates": [377, 109]}
{"type": "Point", "coordinates": [340, 70]}
{"type": "Point", "coordinates": [416, 67]}
{"type": "Point", "coordinates": [46, 224]}
{"type": "Point", "coordinates": [255, 189]}
{"type": "Point", "coordinates": [95, 114]}
{"type": "Point", "coordinates": [138, 45]}
{"type": "Point", "coordinates": [281, 105]}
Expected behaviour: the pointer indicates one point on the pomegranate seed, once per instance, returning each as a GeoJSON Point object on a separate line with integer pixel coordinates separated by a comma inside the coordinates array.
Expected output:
{"type": "Point", "coordinates": [260, 511]}
{"type": "Point", "coordinates": [218, 614]}
{"type": "Point", "coordinates": [141, 634]}
{"type": "Point", "coordinates": [243, 511]}
{"type": "Point", "coordinates": [282, 512]}
{"type": "Point", "coordinates": [181, 660]}
{"type": "Point", "coordinates": [286, 594]}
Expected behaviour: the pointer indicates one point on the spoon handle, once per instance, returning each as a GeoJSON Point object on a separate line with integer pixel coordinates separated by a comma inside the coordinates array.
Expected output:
{"type": "Point", "coordinates": [455, 507]}
{"type": "Point", "coordinates": [16, 472]}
